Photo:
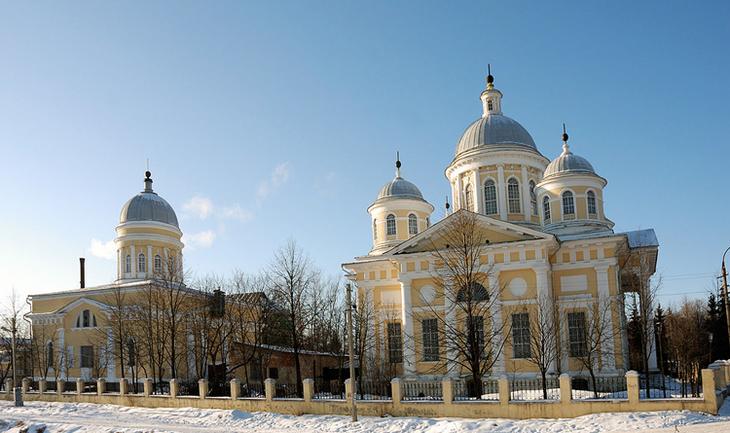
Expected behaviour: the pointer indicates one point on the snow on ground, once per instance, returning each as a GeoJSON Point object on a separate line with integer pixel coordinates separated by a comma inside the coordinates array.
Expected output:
{"type": "Point", "coordinates": [45, 417]}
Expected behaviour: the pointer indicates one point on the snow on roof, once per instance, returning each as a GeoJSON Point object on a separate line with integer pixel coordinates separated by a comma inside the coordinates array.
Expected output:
{"type": "Point", "coordinates": [642, 238]}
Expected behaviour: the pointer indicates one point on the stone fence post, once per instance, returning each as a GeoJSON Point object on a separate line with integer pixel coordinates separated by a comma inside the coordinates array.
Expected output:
{"type": "Point", "coordinates": [566, 388]}
{"type": "Point", "coordinates": [447, 390]}
{"type": "Point", "coordinates": [42, 386]}
{"type": "Point", "coordinates": [632, 386]}
{"type": "Point", "coordinates": [503, 386]}
{"type": "Point", "coordinates": [348, 388]}
{"type": "Point", "coordinates": [147, 383]}
{"type": "Point", "coordinates": [396, 390]}
{"type": "Point", "coordinates": [100, 386]}
{"type": "Point", "coordinates": [202, 388]}
{"type": "Point", "coordinates": [235, 388]}
{"type": "Point", "coordinates": [173, 388]}
{"type": "Point", "coordinates": [123, 387]}
{"type": "Point", "coordinates": [270, 388]}
{"type": "Point", "coordinates": [79, 386]}
{"type": "Point", "coordinates": [60, 385]}
{"type": "Point", "coordinates": [308, 387]}
{"type": "Point", "coordinates": [26, 385]}
{"type": "Point", "coordinates": [708, 390]}
{"type": "Point", "coordinates": [9, 385]}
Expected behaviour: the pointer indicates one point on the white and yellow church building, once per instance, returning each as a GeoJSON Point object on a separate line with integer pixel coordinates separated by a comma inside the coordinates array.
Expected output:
{"type": "Point", "coordinates": [549, 237]}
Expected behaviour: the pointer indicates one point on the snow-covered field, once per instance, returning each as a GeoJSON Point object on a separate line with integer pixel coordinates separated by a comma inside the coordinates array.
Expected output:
{"type": "Point", "coordinates": [43, 417]}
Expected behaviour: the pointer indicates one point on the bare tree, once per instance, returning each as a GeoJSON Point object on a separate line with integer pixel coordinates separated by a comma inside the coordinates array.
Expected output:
{"type": "Point", "coordinates": [544, 327]}
{"type": "Point", "coordinates": [465, 307]}
{"type": "Point", "coordinates": [292, 279]}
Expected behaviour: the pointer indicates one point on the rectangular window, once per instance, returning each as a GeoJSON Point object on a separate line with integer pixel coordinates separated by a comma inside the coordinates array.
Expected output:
{"type": "Point", "coordinates": [87, 356]}
{"type": "Point", "coordinates": [429, 328]}
{"type": "Point", "coordinates": [521, 335]}
{"type": "Point", "coordinates": [577, 334]}
{"type": "Point", "coordinates": [478, 323]}
{"type": "Point", "coordinates": [395, 343]}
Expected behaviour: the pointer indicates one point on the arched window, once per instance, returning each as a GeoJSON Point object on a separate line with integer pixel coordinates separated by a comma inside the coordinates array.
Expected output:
{"type": "Point", "coordinates": [468, 198]}
{"type": "Point", "coordinates": [513, 195]}
{"type": "Point", "coordinates": [86, 320]}
{"type": "Point", "coordinates": [141, 264]}
{"type": "Point", "coordinates": [428, 222]}
{"type": "Point", "coordinates": [568, 205]}
{"type": "Point", "coordinates": [128, 264]}
{"type": "Point", "coordinates": [131, 352]}
{"type": "Point", "coordinates": [533, 198]}
{"type": "Point", "coordinates": [546, 209]}
{"type": "Point", "coordinates": [591, 199]}
{"type": "Point", "coordinates": [49, 354]}
{"type": "Point", "coordinates": [478, 293]}
{"type": "Point", "coordinates": [375, 229]}
{"type": "Point", "coordinates": [390, 225]}
{"type": "Point", "coordinates": [490, 198]}
{"type": "Point", "coordinates": [158, 264]}
{"type": "Point", "coordinates": [490, 105]}
{"type": "Point", "coordinates": [412, 225]}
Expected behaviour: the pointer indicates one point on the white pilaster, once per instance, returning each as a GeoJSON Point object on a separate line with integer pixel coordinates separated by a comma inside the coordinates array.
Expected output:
{"type": "Point", "coordinates": [496, 311]}
{"type": "Point", "coordinates": [478, 192]}
{"type": "Point", "coordinates": [409, 345]}
{"type": "Point", "coordinates": [452, 352]}
{"type": "Point", "coordinates": [111, 369]}
{"type": "Point", "coordinates": [459, 196]}
{"type": "Point", "coordinates": [134, 262]}
{"type": "Point", "coordinates": [605, 306]}
{"type": "Point", "coordinates": [501, 191]}
{"type": "Point", "coordinates": [545, 301]}
{"type": "Point", "coordinates": [149, 261]}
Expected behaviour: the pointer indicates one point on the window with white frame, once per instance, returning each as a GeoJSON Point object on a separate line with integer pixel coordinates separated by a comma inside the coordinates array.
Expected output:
{"type": "Point", "coordinates": [86, 319]}
{"type": "Point", "coordinates": [533, 198]}
{"type": "Point", "coordinates": [521, 335]}
{"type": "Point", "coordinates": [390, 225]}
{"type": "Point", "coordinates": [591, 201]}
{"type": "Point", "coordinates": [546, 209]}
{"type": "Point", "coordinates": [429, 330]}
{"type": "Point", "coordinates": [490, 198]}
{"type": "Point", "coordinates": [577, 333]}
{"type": "Point", "coordinates": [469, 198]}
{"type": "Point", "coordinates": [158, 264]}
{"type": "Point", "coordinates": [128, 264]}
{"type": "Point", "coordinates": [141, 263]}
{"type": "Point", "coordinates": [568, 205]}
{"type": "Point", "coordinates": [490, 105]}
{"type": "Point", "coordinates": [513, 196]}
{"type": "Point", "coordinates": [412, 224]}
{"type": "Point", "coordinates": [395, 343]}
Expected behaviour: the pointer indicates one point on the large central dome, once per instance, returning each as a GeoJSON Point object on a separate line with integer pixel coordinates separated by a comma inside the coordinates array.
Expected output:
{"type": "Point", "coordinates": [148, 206]}
{"type": "Point", "coordinates": [494, 130]}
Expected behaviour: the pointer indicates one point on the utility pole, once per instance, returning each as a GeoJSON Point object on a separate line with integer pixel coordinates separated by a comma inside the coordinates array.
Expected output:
{"type": "Point", "coordinates": [725, 295]}
{"type": "Point", "coordinates": [350, 349]}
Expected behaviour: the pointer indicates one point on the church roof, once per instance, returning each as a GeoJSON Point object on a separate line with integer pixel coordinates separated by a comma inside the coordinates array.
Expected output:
{"type": "Point", "coordinates": [494, 130]}
{"type": "Point", "coordinates": [148, 206]}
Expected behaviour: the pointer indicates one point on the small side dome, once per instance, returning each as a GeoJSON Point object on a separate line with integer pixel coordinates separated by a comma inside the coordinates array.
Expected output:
{"type": "Point", "coordinates": [400, 188]}
{"type": "Point", "coordinates": [494, 130]}
{"type": "Point", "coordinates": [148, 206]}
{"type": "Point", "coordinates": [568, 162]}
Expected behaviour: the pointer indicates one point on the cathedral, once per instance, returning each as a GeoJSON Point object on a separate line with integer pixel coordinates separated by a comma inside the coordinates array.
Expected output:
{"type": "Point", "coordinates": [548, 243]}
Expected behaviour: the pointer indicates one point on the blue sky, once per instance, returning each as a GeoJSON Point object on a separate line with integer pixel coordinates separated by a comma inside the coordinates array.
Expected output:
{"type": "Point", "coordinates": [270, 120]}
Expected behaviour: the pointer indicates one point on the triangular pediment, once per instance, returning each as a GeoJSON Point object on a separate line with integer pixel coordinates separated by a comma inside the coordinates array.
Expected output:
{"type": "Point", "coordinates": [82, 301]}
{"type": "Point", "coordinates": [490, 229]}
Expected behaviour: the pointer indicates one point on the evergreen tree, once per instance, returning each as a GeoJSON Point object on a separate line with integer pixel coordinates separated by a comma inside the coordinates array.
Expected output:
{"type": "Point", "coordinates": [716, 322]}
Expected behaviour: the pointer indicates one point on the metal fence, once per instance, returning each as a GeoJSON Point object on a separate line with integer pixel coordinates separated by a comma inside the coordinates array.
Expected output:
{"type": "Point", "coordinates": [422, 391]}
{"type": "Point", "coordinates": [532, 389]}
{"type": "Point", "coordinates": [374, 390]}
{"type": "Point", "coordinates": [329, 390]}
{"type": "Point", "coordinates": [252, 390]}
{"type": "Point", "coordinates": [465, 390]}
{"type": "Point", "coordinates": [662, 386]}
{"type": "Point", "coordinates": [611, 387]}
{"type": "Point", "coordinates": [190, 388]}
{"type": "Point", "coordinates": [286, 390]}
{"type": "Point", "coordinates": [112, 387]}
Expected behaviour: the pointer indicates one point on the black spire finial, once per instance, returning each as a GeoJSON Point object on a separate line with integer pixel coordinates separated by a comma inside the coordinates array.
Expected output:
{"type": "Point", "coordinates": [565, 134]}
{"type": "Point", "coordinates": [397, 159]}
{"type": "Point", "coordinates": [447, 204]}
{"type": "Point", "coordinates": [147, 181]}
{"type": "Point", "coordinates": [490, 78]}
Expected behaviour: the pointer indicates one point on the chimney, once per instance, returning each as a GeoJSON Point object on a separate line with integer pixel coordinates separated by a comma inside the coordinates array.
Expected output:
{"type": "Point", "coordinates": [82, 271]}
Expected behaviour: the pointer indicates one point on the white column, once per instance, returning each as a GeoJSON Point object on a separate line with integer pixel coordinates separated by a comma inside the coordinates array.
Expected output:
{"type": "Point", "coordinates": [605, 306]}
{"type": "Point", "coordinates": [134, 262]}
{"type": "Point", "coordinates": [409, 346]}
{"type": "Point", "coordinates": [120, 269]}
{"type": "Point", "coordinates": [478, 192]}
{"type": "Point", "coordinates": [459, 193]}
{"type": "Point", "coordinates": [526, 208]}
{"type": "Point", "coordinates": [545, 301]}
{"type": "Point", "coordinates": [501, 191]}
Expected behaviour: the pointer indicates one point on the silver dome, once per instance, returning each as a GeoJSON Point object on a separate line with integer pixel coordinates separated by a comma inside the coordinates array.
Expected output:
{"type": "Point", "coordinates": [400, 188]}
{"type": "Point", "coordinates": [494, 129]}
{"type": "Point", "coordinates": [568, 162]}
{"type": "Point", "coordinates": [148, 206]}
